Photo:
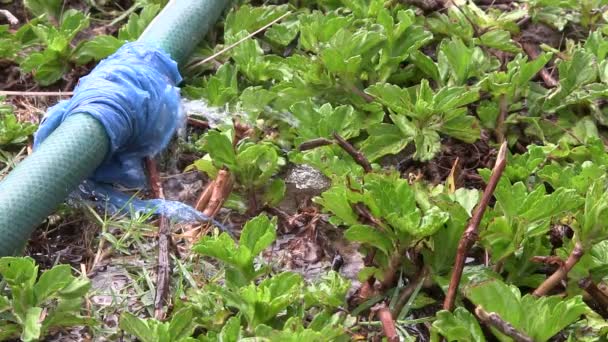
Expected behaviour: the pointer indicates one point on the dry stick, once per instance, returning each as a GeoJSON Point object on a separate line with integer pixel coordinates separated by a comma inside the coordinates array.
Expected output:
{"type": "Point", "coordinates": [163, 273]}
{"type": "Point", "coordinates": [600, 297]}
{"type": "Point", "coordinates": [530, 49]}
{"type": "Point", "coordinates": [35, 93]}
{"type": "Point", "coordinates": [470, 234]}
{"type": "Point", "coordinates": [231, 46]}
{"type": "Point", "coordinates": [314, 143]}
{"type": "Point", "coordinates": [560, 274]}
{"type": "Point", "coordinates": [203, 199]}
{"type": "Point", "coordinates": [221, 190]}
{"type": "Point", "coordinates": [388, 325]}
{"type": "Point", "coordinates": [10, 17]}
{"type": "Point", "coordinates": [357, 155]}
{"type": "Point", "coordinates": [492, 319]}
{"type": "Point", "coordinates": [197, 123]}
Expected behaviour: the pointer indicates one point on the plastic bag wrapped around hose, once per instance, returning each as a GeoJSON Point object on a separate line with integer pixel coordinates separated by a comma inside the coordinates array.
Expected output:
{"type": "Point", "coordinates": [133, 94]}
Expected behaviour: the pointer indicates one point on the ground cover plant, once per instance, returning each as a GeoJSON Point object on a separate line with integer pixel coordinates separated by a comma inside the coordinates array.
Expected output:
{"type": "Point", "coordinates": [390, 170]}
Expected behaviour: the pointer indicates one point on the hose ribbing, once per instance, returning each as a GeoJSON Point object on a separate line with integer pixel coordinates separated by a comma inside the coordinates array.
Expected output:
{"type": "Point", "coordinates": [36, 187]}
{"type": "Point", "coordinates": [41, 182]}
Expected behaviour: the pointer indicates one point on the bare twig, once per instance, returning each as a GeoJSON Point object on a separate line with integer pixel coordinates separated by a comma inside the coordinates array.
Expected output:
{"type": "Point", "coordinates": [221, 190]}
{"type": "Point", "coordinates": [357, 155]}
{"type": "Point", "coordinates": [549, 80]}
{"type": "Point", "coordinates": [203, 199]}
{"type": "Point", "coordinates": [10, 17]}
{"type": "Point", "coordinates": [232, 46]}
{"type": "Point", "coordinates": [560, 274]}
{"type": "Point", "coordinates": [163, 273]}
{"type": "Point", "coordinates": [35, 93]}
{"type": "Point", "coordinates": [388, 325]}
{"type": "Point", "coordinates": [197, 123]}
{"type": "Point", "coordinates": [314, 143]}
{"type": "Point", "coordinates": [600, 297]}
{"type": "Point", "coordinates": [492, 319]}
{"type": "Point", "coordinates": [470, 234]}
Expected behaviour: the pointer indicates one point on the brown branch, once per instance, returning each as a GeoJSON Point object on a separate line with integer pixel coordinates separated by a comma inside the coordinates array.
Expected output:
{"type": "Point", "coordinates": [470, 234]}
{"type": "Point", "coordinates": [600, 297]}
{"type": "Point", "coordinates": [549, 80]}
{"type": "Point", "coordinates": [163, 272]}
{"type": "Point", "coordinates": [198, 123]}
{"type": "Point", "coordinates": [203, 199]}
{"type": "Point", "coordinates": [493, 320]}
{"type": "Point", "coordinates": [221, 190]}
{"type": "Point", "coordinates": [388, 325]}
{"type": "Point", "coordinates": [353, 152]}
{"type": "Point", "coordinates": [314, 143]}
{"type": "Point", "coordinates": [560, 274]}
{"type": "Point", "coordinates": [36, 93]}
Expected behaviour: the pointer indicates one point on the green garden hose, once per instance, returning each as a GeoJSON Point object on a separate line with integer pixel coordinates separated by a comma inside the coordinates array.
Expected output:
{"type": "Point", "coordinates": [41, 182]}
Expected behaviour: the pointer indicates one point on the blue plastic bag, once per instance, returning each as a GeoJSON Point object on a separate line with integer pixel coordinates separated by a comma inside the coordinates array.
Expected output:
{"type": "Point", "coordinates": [134, 94]}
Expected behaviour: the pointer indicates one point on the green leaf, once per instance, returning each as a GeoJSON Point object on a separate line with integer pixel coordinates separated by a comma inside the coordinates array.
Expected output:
{"type": "Point", "coordinates": [12, 131]}
{"type": "Point", "coordinates": [330, 291]}
{"type": "Point", "coordinates": [321, 122]}
{"type": "Point", "coordinates": [458, 60]}
{"type": "Point", "coordinates": [467, 198]}
{"type": "Point", "coordinates": [137, 327]}
{"type": "Point", "coordinates": [335, 200]}
{"type": "Point", "coordinates": [231, 332]}
{"type": "Point", "coordinates": [383, 139]}
{"type": "Point", "coordinates": [258, 234]}
{"type": "Point", "coordinates": [181, 325]}
{"type": "Point", "coordinates": [369, 235]}
{"type": "Point", "coordinates": [31, 325]}
{"type": "Point", "coordinates": [498, 39]}
{"type": "Point", "coordinates": [40, 7]}
{"type": "Point", "coordinates": [51, 282]}
{"type": "Point", "coordinates": [427, 143]}
{"type": "Point", "coordinates": [256, 164]}
{"type": "Point", "coordinates": [96, 49]}
{"type": "Point", "coordinates": [275, 193]}
{"type": "Point", "coordinates": [283, 33]}
{"type": "Point", "coordinates": [540, 318]}
{"type": "Point", "coordinates": [220, 148]}
{"type": "Point", "coordinates": [392, 96]}
{"type": "Point", "coordinates": [460, 325]}
{"type": "Point", "coordinates": [218, 89]}
{"type": "Point", "coordinates": [594, 216]}
{"type": "Point", "coordinates": [20, 272]}
{"type": "Point", "coordinates": [448, 98]}
{"type": "Point", "coordinates": [137, 23]}
{"type": "Point", "coordinates": [432, 220]}
{"type": "Point", "coordinates": [250, 18]}
{"type": "Point", "coordinates": [77, 288]}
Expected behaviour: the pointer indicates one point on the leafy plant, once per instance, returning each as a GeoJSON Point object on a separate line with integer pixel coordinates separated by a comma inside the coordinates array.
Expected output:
{"type": "Point", "coordinates": [179, 328]}
{"type": "Point", "coordinates": [57, 53]}
{"type": "Point", "coordinates": [540, 318]}
{"type": "Point", "coordinates": [419, 117]}
{"type": "Point", "coordinates": [253, 164]}
{"type": "Point", "coordinates": [56, 292]}
{"type": "Point", "coordinates": [257, 235]}
{"type": "Point", "coordinates": [11, 130]}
